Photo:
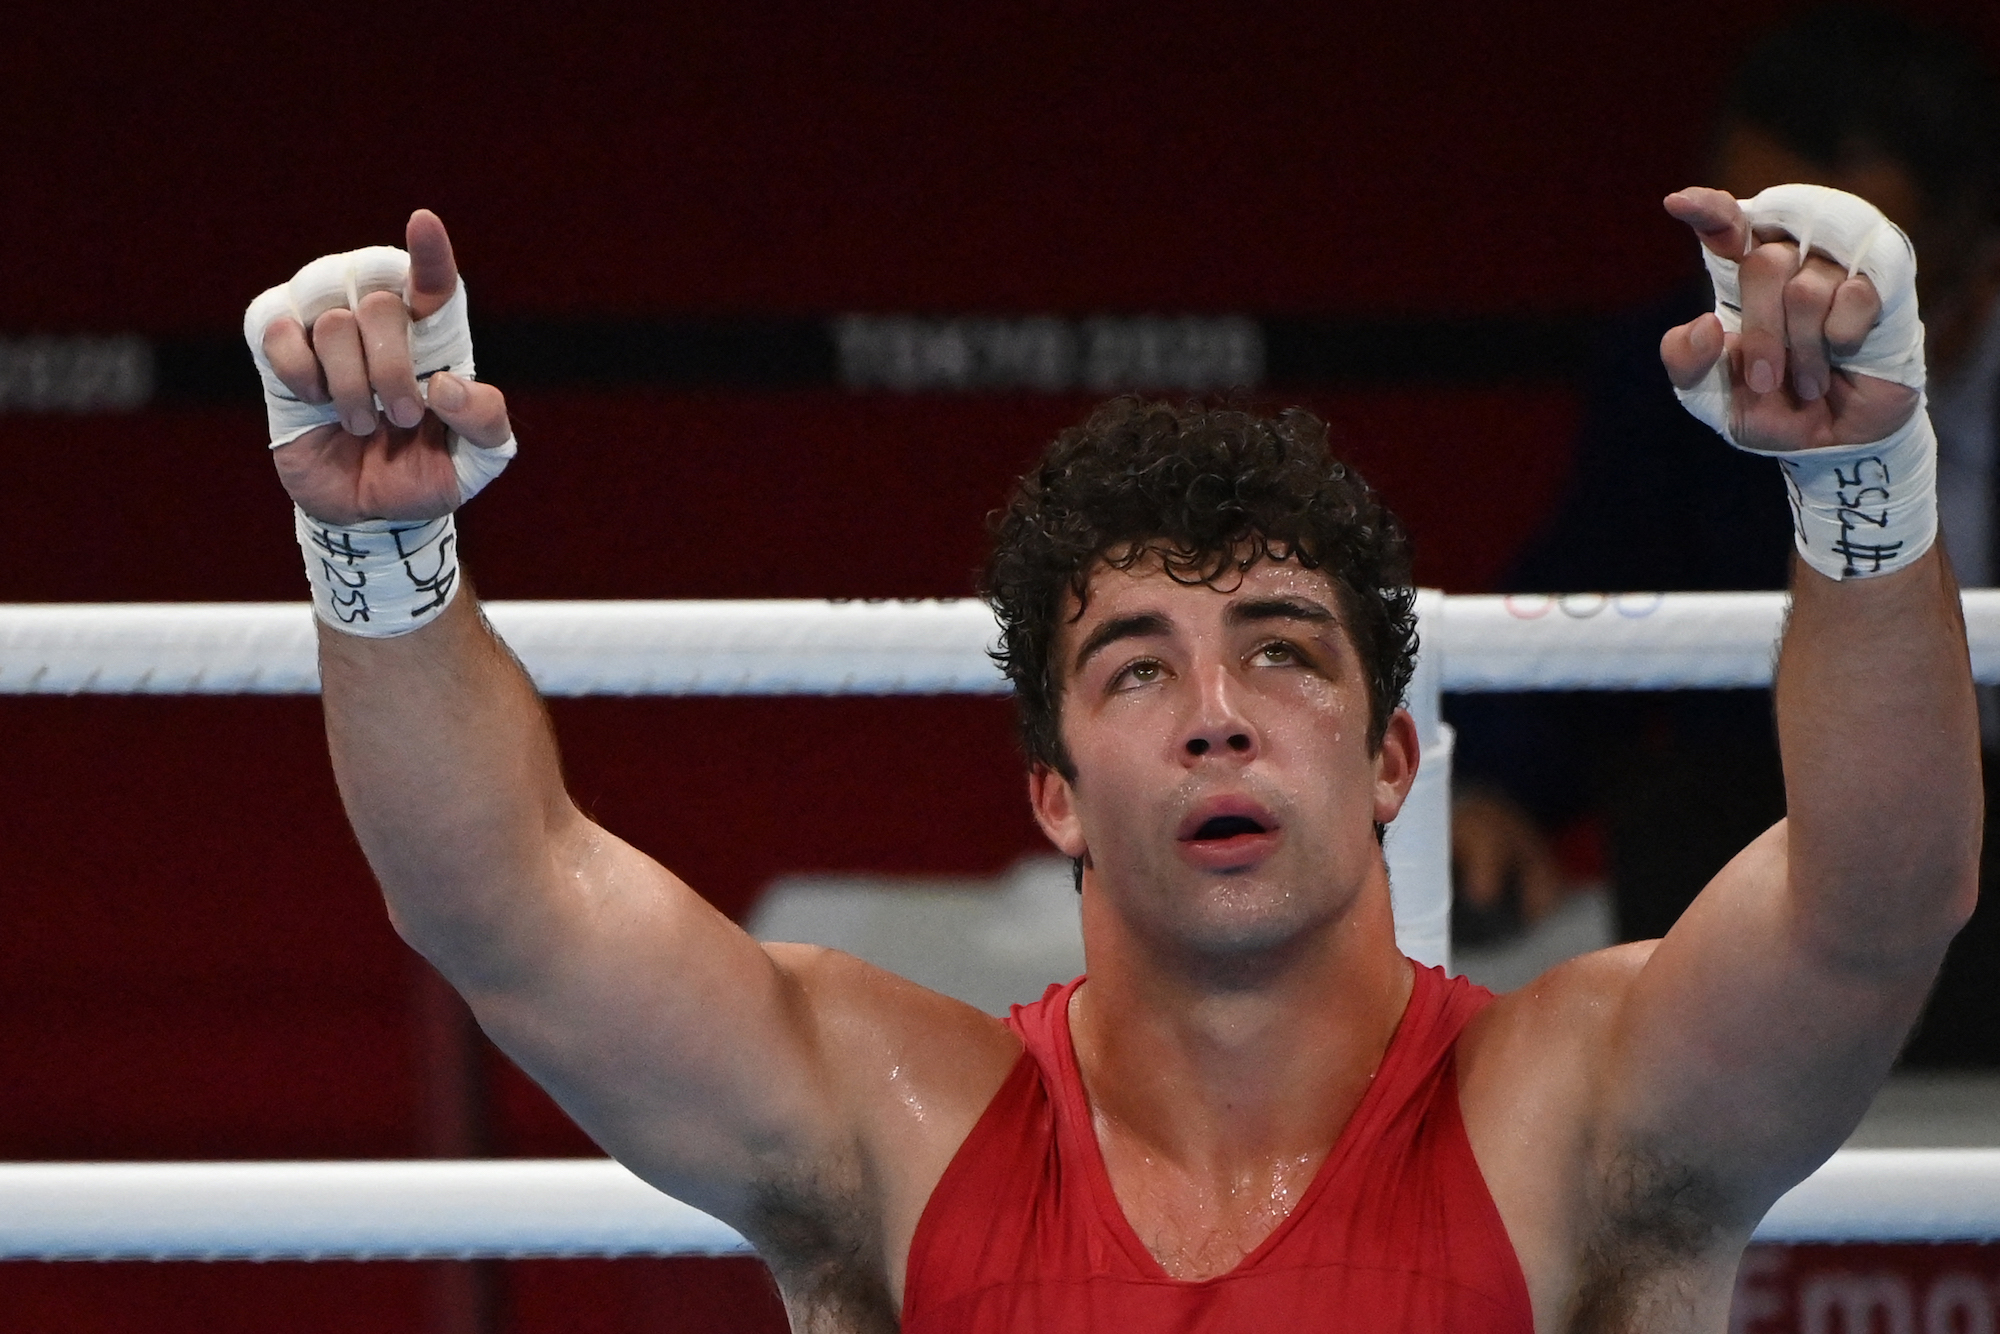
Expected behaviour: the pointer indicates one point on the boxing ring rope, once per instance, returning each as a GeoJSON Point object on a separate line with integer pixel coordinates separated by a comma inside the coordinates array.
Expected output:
{"type": "Point", "coordinates": [519, 1208]}
{"type": "Point", "coordinates": [1630, 641]}
{"type": "Point", "coordinates": [573, 1207]}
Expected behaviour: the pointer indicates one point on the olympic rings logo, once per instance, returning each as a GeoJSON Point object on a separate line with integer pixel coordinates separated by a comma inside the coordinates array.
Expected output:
{"type": "Point", "coordinates": [1582, 606]}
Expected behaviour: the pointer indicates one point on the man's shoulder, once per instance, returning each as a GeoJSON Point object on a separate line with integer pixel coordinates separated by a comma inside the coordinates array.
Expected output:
{"type": "Point", "coordinates": [1534, 1057]}
{"type": "Point", "coordinates": [1573, 1002]}
{"type": "Point", "coordinates": [872, 1023]}
{"type": "Point", "coordinates": [909, 1071]}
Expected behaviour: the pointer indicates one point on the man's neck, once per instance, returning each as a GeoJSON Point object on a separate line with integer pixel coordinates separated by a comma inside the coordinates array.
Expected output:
{"type": "Point", "coordinates": [1223, 1080]}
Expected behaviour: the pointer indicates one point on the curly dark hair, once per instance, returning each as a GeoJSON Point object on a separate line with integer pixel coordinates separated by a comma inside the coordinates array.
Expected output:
{"type": "Point", "coordinates": [1207, 490]}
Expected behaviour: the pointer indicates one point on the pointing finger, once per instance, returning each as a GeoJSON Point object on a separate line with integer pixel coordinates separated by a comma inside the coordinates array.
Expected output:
{"type": "Point", "coordinates": [433, 269]}
{"type": "Point", "coordinates": [385, 340]}
{"type": "Point", "coordinates": [1716, 218]}
{"type": "Point", "coordinates": [291, 357]}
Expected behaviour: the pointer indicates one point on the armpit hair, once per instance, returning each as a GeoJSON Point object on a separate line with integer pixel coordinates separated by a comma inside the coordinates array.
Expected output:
{"type": "Point", "coordinates": [824, 1249]}
{"type": "Point", "coordinates": [1655, 1230]}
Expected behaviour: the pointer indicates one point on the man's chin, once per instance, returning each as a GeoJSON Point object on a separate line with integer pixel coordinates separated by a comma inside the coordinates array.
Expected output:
{"type": "Point", "coordinates": [1243, 914]}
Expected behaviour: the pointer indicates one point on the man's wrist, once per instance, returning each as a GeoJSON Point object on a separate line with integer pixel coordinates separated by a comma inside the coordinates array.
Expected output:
{"type": "Point", "coordinates": [1865, 510]}
{"type": "Point", "coordinates": [379, 578]}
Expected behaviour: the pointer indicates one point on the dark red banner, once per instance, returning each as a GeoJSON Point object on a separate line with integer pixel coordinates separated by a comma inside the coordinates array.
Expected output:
{"type": "Point", "coordinates": [1940, 1289]}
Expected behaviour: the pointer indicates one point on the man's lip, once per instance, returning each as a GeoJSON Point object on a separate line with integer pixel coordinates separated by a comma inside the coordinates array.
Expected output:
{"type": "Point", "coordinates": [1239, 853]}
{"type": "Point", "coordinates": [1222, 806]}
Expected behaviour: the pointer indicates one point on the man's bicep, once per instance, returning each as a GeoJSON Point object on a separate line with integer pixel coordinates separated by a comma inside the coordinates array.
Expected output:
{"type": "Point", "coordinates": [1747, 1048]}
{"type": "Point", "coordinates": [665, 1030]}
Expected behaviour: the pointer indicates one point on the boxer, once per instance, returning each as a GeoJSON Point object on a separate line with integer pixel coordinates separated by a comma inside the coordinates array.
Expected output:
{"type": "Point", "coordinates": [1252, 1112]}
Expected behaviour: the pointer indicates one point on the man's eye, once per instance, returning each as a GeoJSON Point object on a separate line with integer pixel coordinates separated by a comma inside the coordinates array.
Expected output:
{"type": "Point", "coordinates": [1279, 653]}
{"type": "Point", "coordinates": [1143, 672]}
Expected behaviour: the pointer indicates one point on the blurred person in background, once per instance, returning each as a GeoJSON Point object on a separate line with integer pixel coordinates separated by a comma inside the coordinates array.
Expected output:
{"type": "Point", "coordinates": [1907, 116]}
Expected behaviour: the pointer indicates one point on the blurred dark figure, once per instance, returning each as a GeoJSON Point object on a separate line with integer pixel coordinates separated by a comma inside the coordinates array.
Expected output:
{"type": "Point", "coordinates": [1908, 117]}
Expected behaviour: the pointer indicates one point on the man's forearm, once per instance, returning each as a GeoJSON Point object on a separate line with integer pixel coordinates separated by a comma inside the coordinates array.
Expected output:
{"type": "Point", "coordinates": [1880, 736]}
{"type": "Point", "coordinates": [450, 775]}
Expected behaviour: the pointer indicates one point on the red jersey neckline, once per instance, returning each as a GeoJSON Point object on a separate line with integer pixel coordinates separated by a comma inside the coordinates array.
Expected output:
{"type": "Point", "coordinates": [1074, 1122]}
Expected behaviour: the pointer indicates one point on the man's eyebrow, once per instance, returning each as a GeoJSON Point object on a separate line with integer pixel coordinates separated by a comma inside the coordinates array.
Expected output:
{"type": "Point", "coordinates": [1280, 609]}
{"type": "Point", "coordinates": [1139, 625]}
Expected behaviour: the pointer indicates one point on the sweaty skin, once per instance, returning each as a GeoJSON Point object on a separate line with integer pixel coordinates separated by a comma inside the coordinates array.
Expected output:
{"type": "Point", "coordinates": [1634, 1112]}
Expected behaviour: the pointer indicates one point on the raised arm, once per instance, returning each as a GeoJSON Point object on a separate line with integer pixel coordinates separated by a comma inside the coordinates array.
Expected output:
{"type": "Point", "coordinates": [1638, 1110]}
{"type": "Point", "coordinates": [750, 1081]}
{"type": "Point", "coordinates": [1750, 1043]}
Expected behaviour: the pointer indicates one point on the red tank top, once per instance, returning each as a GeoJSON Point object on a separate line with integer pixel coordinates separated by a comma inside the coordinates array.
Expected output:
{"type": "Point", "coordinates": [1396, 1232]}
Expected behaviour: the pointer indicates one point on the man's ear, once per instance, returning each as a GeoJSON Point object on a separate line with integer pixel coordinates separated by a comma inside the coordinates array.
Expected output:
{"type": "Point", "coordinates": [1054, 800]}
{"type": "Point", "coordinates": [1395, 765]}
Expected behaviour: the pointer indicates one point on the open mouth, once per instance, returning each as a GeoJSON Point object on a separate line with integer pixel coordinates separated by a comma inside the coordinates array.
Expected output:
{"type": "Point", "coordinates": [1221, 827]}
{"type": "Point", "coordinates": [1233, 835]}
{"type": "Point", "coordinates": [1228, 834]}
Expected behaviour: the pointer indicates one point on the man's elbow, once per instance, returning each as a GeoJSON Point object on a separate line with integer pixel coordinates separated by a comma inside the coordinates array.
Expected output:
{"type": "Point", "coordinates": [474, 947]}
{"type": "Point", "coordinates": [1902, 927]}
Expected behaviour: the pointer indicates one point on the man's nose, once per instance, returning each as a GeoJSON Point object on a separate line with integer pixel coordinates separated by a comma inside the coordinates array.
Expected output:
{"type": "Point", "coordinates": [1220, 726]}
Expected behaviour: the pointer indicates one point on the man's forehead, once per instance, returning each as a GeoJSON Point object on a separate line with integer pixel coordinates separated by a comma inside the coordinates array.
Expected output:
{"type": "Point", "coordinates": [1112, 591]}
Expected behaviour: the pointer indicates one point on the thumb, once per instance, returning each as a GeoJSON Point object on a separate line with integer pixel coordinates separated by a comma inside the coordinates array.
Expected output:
{"type": "Point", "coordinates": [1689, 350]}
{"type": "Point", "coordinates": [475, 410]}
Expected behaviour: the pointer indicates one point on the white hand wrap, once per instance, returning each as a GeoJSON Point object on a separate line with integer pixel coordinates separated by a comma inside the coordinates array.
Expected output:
{"type": "Point", "coordinates": [1859, 510]}
{"type": "Point", "coordinates": [440, 341]}
{"type": "Point", "coordinates": [379, 578]}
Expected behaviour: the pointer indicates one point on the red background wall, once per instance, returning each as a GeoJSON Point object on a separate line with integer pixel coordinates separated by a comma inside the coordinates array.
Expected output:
{"type": "Point", "coordinates": [193, 962]}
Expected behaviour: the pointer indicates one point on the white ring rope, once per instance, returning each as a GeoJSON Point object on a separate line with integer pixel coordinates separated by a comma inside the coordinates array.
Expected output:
{"type": "Point", "coordinates": [513, 1209]}
{"type": "Point", "coordinates": [501, 1208]}
{"type": "Point", "coordinates": [1630, 641]}
{"type": "Point", "coordinates": [572, 648]}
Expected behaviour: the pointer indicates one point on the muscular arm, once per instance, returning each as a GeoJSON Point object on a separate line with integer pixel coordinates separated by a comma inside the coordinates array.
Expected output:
{"type": "Point", "coordinates": [450, 776]}
{"type": "Point", "coordinates": [772, 1086]}
{"type": "Point", "coordinates": [802, 1095]}
{"type": "Point", "coordinates": [1638, 1110]}
{"type": "Point", "coordinates": [609, 980]}
{"type": "Point", "coordinates": [1755, 1035]}
{"type": "Point", "coordinates": [1882, 769]}
{"type": "Point", "coordinates": [1748, 1045]}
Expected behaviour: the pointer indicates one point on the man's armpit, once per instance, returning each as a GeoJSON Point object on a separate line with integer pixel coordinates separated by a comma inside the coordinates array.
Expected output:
{"type": "Point", "coordinates": [821, 1234]}
{"type": "Point", "coordinates": [1655, 1232]}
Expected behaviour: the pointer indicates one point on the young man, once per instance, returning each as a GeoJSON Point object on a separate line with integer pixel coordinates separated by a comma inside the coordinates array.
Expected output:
{"type": "Point", "coordinates": [1254, 1110]}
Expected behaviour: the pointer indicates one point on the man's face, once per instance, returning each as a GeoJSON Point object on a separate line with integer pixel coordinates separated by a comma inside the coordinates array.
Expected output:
{"type": "Point", "coordinates": [1224, 790]}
